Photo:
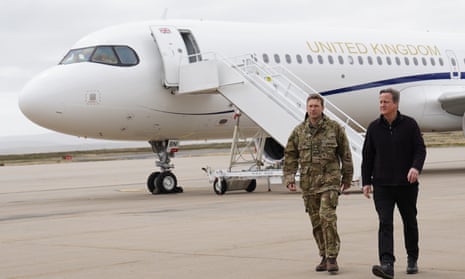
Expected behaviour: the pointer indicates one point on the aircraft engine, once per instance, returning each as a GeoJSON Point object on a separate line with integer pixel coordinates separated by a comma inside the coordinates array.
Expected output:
{"type": "Point", "coordinates": [273, 151]}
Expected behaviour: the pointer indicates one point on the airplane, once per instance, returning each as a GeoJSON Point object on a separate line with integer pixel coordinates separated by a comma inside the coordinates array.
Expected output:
{"type": "Point", "coordinates": [153, 81]}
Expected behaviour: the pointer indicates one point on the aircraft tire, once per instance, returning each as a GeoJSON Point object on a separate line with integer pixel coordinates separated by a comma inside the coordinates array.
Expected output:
{"type": "Point", "coordinates": [167, 182]}
{"type": "Point", "coordinates": [152, 183]}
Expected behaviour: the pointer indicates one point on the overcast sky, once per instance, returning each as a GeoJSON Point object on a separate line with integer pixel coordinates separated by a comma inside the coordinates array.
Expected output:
{"type": "Point", "coordinates": [35, 34]}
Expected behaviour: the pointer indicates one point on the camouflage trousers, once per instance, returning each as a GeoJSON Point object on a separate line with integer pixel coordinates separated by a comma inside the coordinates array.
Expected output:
{"type": "Point", "coordinates": [321, 208]}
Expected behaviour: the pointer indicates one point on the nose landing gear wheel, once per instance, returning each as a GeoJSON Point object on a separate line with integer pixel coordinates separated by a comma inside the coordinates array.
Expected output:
{"type": "Point", "coordinates": [163, 182]}
{"type": "Point", "coordinates": [166, 182]}
{"type": "Point", "coordinates": [152, 184]}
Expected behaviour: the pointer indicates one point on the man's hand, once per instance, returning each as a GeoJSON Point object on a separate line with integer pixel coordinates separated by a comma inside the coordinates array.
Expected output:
{"type": "Point", "coordinates": [291, 187]}
{"type": "Point", "coordinates": [344, 187]}
{"type": "Point", "coordinates": [412, 175]}
{"type": "Point", "coordinates": [367, 190]}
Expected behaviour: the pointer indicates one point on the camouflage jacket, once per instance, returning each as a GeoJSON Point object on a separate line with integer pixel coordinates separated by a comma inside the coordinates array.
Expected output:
{"type": "Point", "coordinates": [323, 154]}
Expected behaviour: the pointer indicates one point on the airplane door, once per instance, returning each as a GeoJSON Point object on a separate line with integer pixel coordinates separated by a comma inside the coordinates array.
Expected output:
{"type": "Point", "coordinates": [454, 65]}
{"type": "Point", "coordinates": [172, 50]}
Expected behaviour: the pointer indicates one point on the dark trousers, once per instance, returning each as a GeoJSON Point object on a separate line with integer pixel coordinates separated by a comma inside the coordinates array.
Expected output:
{"type": "Point", "coordinates": [405, 197]}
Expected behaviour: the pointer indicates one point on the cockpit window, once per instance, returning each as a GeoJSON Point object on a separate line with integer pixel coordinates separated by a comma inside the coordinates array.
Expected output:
{"type": "Point", "coordinates": [126, 55]}
{"type": "Point", "coordinates": [105, 55]}
{"type": "Point", "coordinates": [78, 55]}
{"type": "Point", "coordinates": [110, 55]}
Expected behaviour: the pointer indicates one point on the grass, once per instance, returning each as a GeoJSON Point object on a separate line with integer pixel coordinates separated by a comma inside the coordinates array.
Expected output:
{"type": "Point", "coordinates": [432, 139]}
{"type": "Point", "coordinates": [92, 155]}
{"type": "Point", "coordinates": [443, 139]}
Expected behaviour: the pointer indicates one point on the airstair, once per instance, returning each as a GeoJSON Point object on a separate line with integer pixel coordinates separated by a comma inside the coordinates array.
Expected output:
{"type": "Point", "coordinates": [277, 106]}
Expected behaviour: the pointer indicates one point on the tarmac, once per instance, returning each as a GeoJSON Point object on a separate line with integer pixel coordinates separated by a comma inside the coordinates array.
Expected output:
{"type": "Point", "coordinates": [97, 220]}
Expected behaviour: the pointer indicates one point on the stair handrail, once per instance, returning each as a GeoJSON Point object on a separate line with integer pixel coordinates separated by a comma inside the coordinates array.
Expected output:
{"type": "Point", "coordinates": [328, 103]}
{"type": "Point", "coordinates": [247, 65]}
{"type": "Point", "coordinates": [270, 78]}
{"type": "Point", "coordinates": [271, 72]}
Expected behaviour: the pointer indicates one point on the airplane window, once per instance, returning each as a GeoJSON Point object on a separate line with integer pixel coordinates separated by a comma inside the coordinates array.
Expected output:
{"type": "Point", "coordinates": [320, 59]}
{"type": "Point", "coordinates": [126, 55]}
{"type": "Point", "coordinates": [105, 55]}
{"type": "Point", "coordinates": [441, 62]}
{"type": "Point", "coordinates": [330, 59]}
{"type": "Point", "coordinates": [380, 61]}
{"type": "Point", "coordinates": [423, 60]}
{"type": "Point", "coordinates": [288, 58]}
{"type": "Point", "coordinates": [266, 59]}
{"type": "Point", "coordinates": [433, 62]}
{"type": "Point", "coordinates": [340, 59]}
{"type": "Point", "coordinates": [351, 59]}
{"type": "Point", "coordinates": [453, 62]}
{"type": "Point", "coordinates": [415, 61]}
{"type": "Point", "coordinates": [77, 55]}
{"type": "Point", "coordinates": [298, 58]}
{"type": "Point", "coordinates": [277, 59]}
{"type": "Point", "coordinates": [370, 60]}
{"type": "Point", "coordinates": [112, 55]}
{"type": "Point", "coordinates": [360, 60]}
{"type": "Point", "coordinates": [397, 60]}
{"type": "Point", "coordinates": [388, 60]}
{"type": "Point", "coordinates": [309, 59]}
{"type": "Point", "coordinates": [407, 61]}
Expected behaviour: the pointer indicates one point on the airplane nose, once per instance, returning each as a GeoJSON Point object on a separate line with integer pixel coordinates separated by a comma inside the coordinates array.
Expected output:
{"type": "Point", "coordinates": [38, 100]}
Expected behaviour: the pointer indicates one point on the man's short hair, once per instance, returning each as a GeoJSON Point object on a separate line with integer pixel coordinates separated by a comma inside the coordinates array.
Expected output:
{"type": "Point", "coordinates": [316, 97]}
{"type": "Point", "coordinates": [394, 93]}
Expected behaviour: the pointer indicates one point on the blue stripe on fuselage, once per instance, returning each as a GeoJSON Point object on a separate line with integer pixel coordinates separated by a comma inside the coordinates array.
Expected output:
{"type": "Point", "coordinates": [388, 82]}
{"type": "Point", "coordinates": [374, 84]}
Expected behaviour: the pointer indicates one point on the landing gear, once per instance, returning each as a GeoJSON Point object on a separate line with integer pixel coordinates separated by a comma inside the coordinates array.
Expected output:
{"type": "Point", "coordinates": [163, 181]}
{"type": "Point", "coordinates": [151, 184]}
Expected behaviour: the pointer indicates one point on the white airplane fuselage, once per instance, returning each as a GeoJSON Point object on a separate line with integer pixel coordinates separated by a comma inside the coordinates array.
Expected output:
{"type": "Point", "coordinates": [99, 100]}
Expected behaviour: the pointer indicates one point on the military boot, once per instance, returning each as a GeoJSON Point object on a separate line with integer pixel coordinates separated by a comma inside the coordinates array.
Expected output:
{"type": "Point", "coordinates": [385, 270]}
{"type": "Point", "coordinates": [322, 265]}
{"type": "Point", "coordinates": [331, 265]}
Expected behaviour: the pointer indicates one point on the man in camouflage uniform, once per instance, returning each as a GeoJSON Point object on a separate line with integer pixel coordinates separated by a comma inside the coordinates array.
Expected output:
{"type": "Point", "coordinates": [319, 145]}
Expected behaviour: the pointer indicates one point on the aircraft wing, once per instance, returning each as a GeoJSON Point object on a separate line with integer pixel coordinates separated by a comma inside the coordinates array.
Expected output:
{"type": "Point", "coordinates": [453, 102]}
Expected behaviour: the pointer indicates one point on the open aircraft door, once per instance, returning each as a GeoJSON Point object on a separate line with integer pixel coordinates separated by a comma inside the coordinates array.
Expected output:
{"type": "Point", "coordinates": [172, 50]}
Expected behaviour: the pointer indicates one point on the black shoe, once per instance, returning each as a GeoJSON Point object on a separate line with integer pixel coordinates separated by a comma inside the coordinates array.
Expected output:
{"type": "Point", "coordinates": [322, 265]}
{"type": "Point", "coordinates": [331, 265]}
{"type": "Point", "coordinates": [385, 270]}
{"type": "Point", "coordinates": [412, 267]}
